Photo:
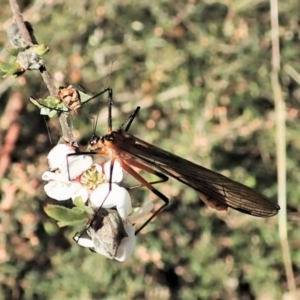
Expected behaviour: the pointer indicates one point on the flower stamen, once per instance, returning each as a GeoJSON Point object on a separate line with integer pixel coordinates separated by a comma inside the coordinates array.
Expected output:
{"type": "Point", "coordinates": [91, 178]}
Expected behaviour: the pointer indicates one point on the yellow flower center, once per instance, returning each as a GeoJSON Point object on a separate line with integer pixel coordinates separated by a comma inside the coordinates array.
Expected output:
{"type": "Point", "coordinates": [91, 178]}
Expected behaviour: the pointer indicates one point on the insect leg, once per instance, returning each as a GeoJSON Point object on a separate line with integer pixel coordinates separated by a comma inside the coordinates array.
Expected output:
{"type": "Point", "coordinates": [145, 183]}
{"type": "Point", "coordinates": [130, 119]}
{"type": "Point", "coordinates": [163, 177]}
{"type": "Point", "coordinates": [74, 154]}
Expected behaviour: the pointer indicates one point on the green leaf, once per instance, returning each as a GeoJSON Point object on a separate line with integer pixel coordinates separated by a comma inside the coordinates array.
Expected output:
{"type": "Point", "coordinates": [15, 51]}
{"type": "Point", "coordinates": [63, 214]}
{"type": "Point", "coordinates": [40, 49]}
{"type": "Point", "coordinates": [79, 202]}
{"type": "Point", "coordinates": [51, 101]}
{"type": "Point", "coordinates": [52, 113]}
{"type": "Point", "coordinates": [13, 69]}
{"type": "Point", "coordinates": [72, 223]}
{"type": "Point", "coordinates": [49, 106]}
{"type": "Point", "coordinates": [35, 102]}
{"type": "Point", "coordinates": [83, 96]}
{"type": "Point", "coordinates": [5, 67]}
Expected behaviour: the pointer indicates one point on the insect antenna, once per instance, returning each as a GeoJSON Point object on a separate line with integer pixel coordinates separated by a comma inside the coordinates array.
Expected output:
{"type": "Point", "coordinates": [110, 104]}
{"type": "Point", "coordinates": [48, 131]}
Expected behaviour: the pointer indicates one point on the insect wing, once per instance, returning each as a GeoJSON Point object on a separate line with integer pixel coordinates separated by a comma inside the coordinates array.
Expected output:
{"type": "Point", "coordinates": [107, 231]}
{"type": "Point", "coordinates": [215, 189]}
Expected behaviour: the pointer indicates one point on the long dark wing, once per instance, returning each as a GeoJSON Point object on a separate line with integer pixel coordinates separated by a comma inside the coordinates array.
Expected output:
{"type": "Point", "coordinates": [212, 187]}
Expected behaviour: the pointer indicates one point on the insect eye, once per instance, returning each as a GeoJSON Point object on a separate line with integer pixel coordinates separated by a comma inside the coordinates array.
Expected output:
{"type": "Point", "coordinates": [94, 140]}
{"type": "Point", "coordinates": [109, 137]}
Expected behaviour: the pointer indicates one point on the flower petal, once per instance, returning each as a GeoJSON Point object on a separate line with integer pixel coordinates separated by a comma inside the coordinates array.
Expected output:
{"type": "Point", "coordinates": [117, 174]}
{"type": "Point", "coordinates": [47, 176]}
{"type": "Point", "coordinates": [77, 165]}
{"type": "Point", "coordinates": [126, 247]}
{"type": "Point", "coordinates": [58, 190]}
{"type": "Point", "coordinates": [78, 190]}
{"type": "Point", "coordinates": [98, 168]}
{"type": "Point", "coordinates": [69, 166]}
{"type": "Point", "coordinates": [57, 156]}
{"type": "Point", "coordinates": [141, 212]}
{"type": "Point", "coordinates": [118, 197]}
{"type": "Point", "coordinates": [84, 242]}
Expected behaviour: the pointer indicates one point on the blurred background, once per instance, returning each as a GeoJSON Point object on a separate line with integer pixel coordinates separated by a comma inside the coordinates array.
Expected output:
{"type": "Point", "coordinates": [200, 70]}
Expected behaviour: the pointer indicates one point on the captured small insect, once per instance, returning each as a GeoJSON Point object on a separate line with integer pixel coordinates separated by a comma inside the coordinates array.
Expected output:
{"type": "Point", "coordinates": [68, 101]}
{"type": "Point", "coordinates": [216, 190]}
{"type": "Point", "coordinates": [106, 231]}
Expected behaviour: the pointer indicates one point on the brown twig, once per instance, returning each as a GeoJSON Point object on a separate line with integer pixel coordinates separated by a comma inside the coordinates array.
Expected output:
{"type": "Point", "coordinates": [19, 20]}
{"type": "Point", "coordinates": [66, 131]}
{"type": "Point", "coordinates": [281, 148]}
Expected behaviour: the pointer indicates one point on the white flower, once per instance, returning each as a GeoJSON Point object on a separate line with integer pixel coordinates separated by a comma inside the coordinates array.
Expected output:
{"type": "Point", "coordinates": [73, 176]}
{"type": "Point", "coordinates": [76, 175]}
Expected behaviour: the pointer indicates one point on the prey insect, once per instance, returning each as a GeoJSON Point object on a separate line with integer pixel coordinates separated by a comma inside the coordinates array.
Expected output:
{"type": "Point", "coordinates": [216, 190]}
{"type": "Point", "coordinates": [68, 101]}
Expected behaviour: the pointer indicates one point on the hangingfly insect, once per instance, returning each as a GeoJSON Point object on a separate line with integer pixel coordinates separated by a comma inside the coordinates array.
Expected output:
{"type": "Point", "coordinates": [216, 190]}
